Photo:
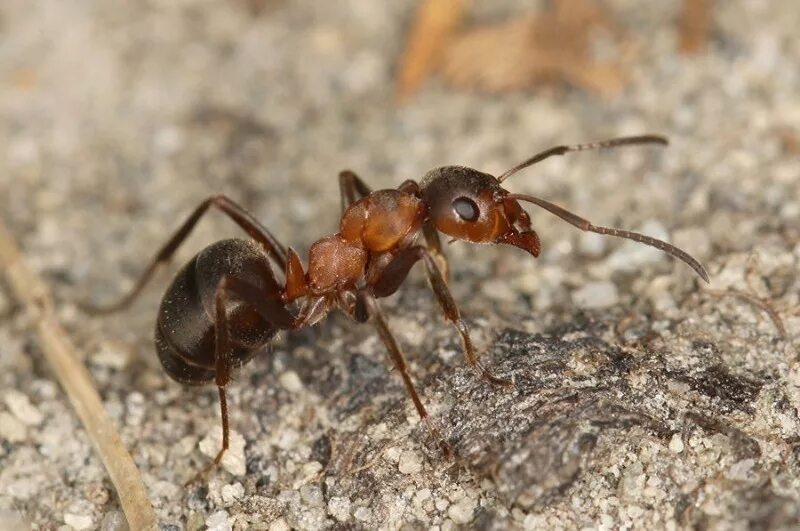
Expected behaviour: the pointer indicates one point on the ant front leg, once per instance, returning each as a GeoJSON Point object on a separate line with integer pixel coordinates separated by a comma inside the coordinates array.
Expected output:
{"type": "Point", "coordinates": [373, 310]}
{"type": "Point", "coordinates": [396, 272]}
{"type": "Point", "coordinates": [432, 240]}
{"type": "Point", "coordinates": [238, 214]}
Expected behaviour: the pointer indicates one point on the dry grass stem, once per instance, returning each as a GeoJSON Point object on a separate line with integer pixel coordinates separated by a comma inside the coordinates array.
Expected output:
{"type": "Point", "coordinates": [695, 25]}
{"type": "Point", "coordinates": [31, 290]}
{"type": "Point", "coordinates": [435, 22]}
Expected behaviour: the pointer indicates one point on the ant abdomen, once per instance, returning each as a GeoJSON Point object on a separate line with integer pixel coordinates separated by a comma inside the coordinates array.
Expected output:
{"type": "Point", "coordinates": [185, 328]}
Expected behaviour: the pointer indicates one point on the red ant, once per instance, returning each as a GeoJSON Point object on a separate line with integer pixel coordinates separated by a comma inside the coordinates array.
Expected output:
{"type": "Point", "coordinates": [227, 303]}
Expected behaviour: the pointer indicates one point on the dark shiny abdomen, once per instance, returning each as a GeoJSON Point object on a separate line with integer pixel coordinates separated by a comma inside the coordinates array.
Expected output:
{"type": "Point", "coordinates": [185, 330]}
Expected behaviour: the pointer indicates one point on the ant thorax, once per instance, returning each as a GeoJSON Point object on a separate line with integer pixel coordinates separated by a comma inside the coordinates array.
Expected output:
{"type": "Point", "coordinates": [377, 223]}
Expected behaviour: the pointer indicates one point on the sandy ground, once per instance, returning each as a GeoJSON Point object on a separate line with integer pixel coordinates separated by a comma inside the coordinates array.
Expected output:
{"type": "Point", "coordinates": [642, 400]}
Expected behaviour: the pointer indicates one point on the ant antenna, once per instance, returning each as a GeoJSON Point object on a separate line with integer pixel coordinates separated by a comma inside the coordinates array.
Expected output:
{"type": "Point", "coordinates": [603, 144]}
{"type": "Point", "coordinates": [586, 225]}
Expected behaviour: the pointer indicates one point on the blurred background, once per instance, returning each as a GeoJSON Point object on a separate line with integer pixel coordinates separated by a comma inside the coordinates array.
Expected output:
{"type": "Point", "coordinates": [118, 118]}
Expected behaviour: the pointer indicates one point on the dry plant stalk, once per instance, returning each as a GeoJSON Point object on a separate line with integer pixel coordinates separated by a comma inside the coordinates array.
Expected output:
{"type": "Point", "coordinates": [435, 22]}
{"type": "Point", "coordinates": [547, 47]}
{"type": "Point", "coordinates": [31, 290]}
{"type": "Point", "coordinates": [695, 25]}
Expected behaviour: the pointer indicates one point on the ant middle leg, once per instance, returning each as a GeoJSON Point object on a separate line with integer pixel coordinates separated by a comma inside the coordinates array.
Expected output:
{"type": "Point", "coordinates": [222, 371]}
{"type": "Point", "coordinates": [395, 273]}
{"type": "Point", "coordinates": [238, 214]}
{"type": "Point", "coordinates": [374, 312]}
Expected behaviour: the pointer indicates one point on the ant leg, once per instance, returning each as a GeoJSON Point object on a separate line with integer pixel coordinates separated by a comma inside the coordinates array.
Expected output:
{"type": "Point", "coordinates": [351, 188]}
{"type": "Point", "coordinates": [395, 273]}
{"type": "Point", "coordinates": [222, 371]}
{"type": "Point", "coordinates": [432, 240]}
{"type": "Point", "coordinates": [238, 214]}
{"type": "Point", "coordinates": [435, 248]}
{"type": "Point", "coordinates": [400, 364]}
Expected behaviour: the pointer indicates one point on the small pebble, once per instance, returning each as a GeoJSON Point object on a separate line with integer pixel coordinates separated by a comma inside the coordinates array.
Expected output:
{"type": "Point", "coordinates": [231, 493]}
{"type": "Point", "coordinates": [461, 512]}
{"type": "Point", "coordinates": [21, 407]}
{"type": "Point", "coordinates": [79, 521]}
{"type": "Point", "coordinates": [312, 495]}
{"type": "Point", "coordinates": [676, 443]}
{"type": "Point", "coordinates": [114, 521]}
{"type": "Point", "coordinates": [11, 429]}
{"type": "Point", "coordinates": [291, 382]}
{"type": "Point", "coordinates": [741, 470]}
{"type": "Point", "coordinates": [279, 525]}
{"type": "Point", "coordinates": [339, 508]}
{"type": "Point", "coordinates": [233, 459]}
{"type": "Point", "coordinates": [599, 294]}
{"type": "Point", "coordinates": [409, 462]}
{"type": "Point", "coordinates": [363, 514]}
{"type": "Point", "coordinates": [218, 521]}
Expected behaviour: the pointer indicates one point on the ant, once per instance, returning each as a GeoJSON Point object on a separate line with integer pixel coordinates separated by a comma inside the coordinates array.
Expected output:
{"type": "Point", "coordinates": [227, 303]}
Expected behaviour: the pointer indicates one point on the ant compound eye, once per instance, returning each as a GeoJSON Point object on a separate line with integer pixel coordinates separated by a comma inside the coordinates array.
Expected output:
{"type": "Point", "coordinates": [466, 209]}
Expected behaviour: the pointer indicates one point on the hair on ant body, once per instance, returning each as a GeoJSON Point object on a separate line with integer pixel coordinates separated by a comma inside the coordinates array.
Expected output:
{"type": "Point", "coordinates": [227, 302]}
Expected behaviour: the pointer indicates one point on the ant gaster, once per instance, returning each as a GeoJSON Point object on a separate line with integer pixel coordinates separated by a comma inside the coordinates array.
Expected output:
{"type": "Point", "coordinates": [227, 302]}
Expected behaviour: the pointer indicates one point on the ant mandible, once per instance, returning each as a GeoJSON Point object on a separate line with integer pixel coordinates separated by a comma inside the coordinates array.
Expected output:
{"type": "Point", "coordinates": [227, 303]}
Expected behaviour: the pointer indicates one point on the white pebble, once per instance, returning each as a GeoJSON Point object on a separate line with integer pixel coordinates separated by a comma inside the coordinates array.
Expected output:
{"type": "Point", "coordinates": [218, 521]}
{"type": "Point", "coordinates": [339, 508]}
{"type": "Point", "coordinates": [461, 512]}
{"type": "Point", "coordinates": [11, 429]}
{"type": "Point", "coordinates": [312, 495]}
{"type": "Point", "coordinates": [21, 407]}
{"type": "Point", "coordinates": [599, 294]}
{"type": "Point", "coordinates": [676, 443]}
{"type": "Point", "coordinates": [409, 463]}
{"type": "Point", "coordinates": [291, 382]}
{"type": "Point", "coordinates": [741, 470]}
{"type": "Point", "coordinates": [233, 459]}
{"type": "Point", "coordinates": [279, 525]}
{"type": "Point", "coordinates": [363, 514]}
{"type": "Point", "coordinates": [634, 512]}
{"type": "Point", "coordinates": [78, 521]}
{"type": "Point", "coordinates": [231, 493]}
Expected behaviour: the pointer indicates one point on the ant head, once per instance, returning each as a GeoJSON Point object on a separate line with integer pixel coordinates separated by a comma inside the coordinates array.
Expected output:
{"type": "Point", "coordinates": [470, 205]}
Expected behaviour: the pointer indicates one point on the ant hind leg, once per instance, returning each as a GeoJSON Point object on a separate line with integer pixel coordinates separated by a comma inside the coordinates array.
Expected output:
{"type": "Point", "coordinates": [238, 214]}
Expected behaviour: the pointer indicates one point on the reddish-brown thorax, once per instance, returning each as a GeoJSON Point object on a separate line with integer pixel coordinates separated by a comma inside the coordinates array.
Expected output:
{"type": "Point", "coordinates": [376, 224]}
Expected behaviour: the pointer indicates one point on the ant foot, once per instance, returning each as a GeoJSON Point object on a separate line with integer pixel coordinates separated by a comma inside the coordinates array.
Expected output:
{"type": "Point", "coordinates": [444, 446]}
{"type": "Point", "coordinates": [492, 379]}
{"type": "Point", "coordinates": [203, 474]}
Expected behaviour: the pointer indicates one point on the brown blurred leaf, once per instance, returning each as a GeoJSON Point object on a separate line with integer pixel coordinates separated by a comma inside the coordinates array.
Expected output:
{"type": "Point", "coordinates": [695, 23]}
{"type": "Point", "coordinates": [548, 47]}
{"type": "Point", "coordinates": [432, 29]}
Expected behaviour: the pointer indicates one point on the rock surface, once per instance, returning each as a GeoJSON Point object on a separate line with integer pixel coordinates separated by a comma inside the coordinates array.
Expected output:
{"type": "Point", "coordinates": [657, 403]}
